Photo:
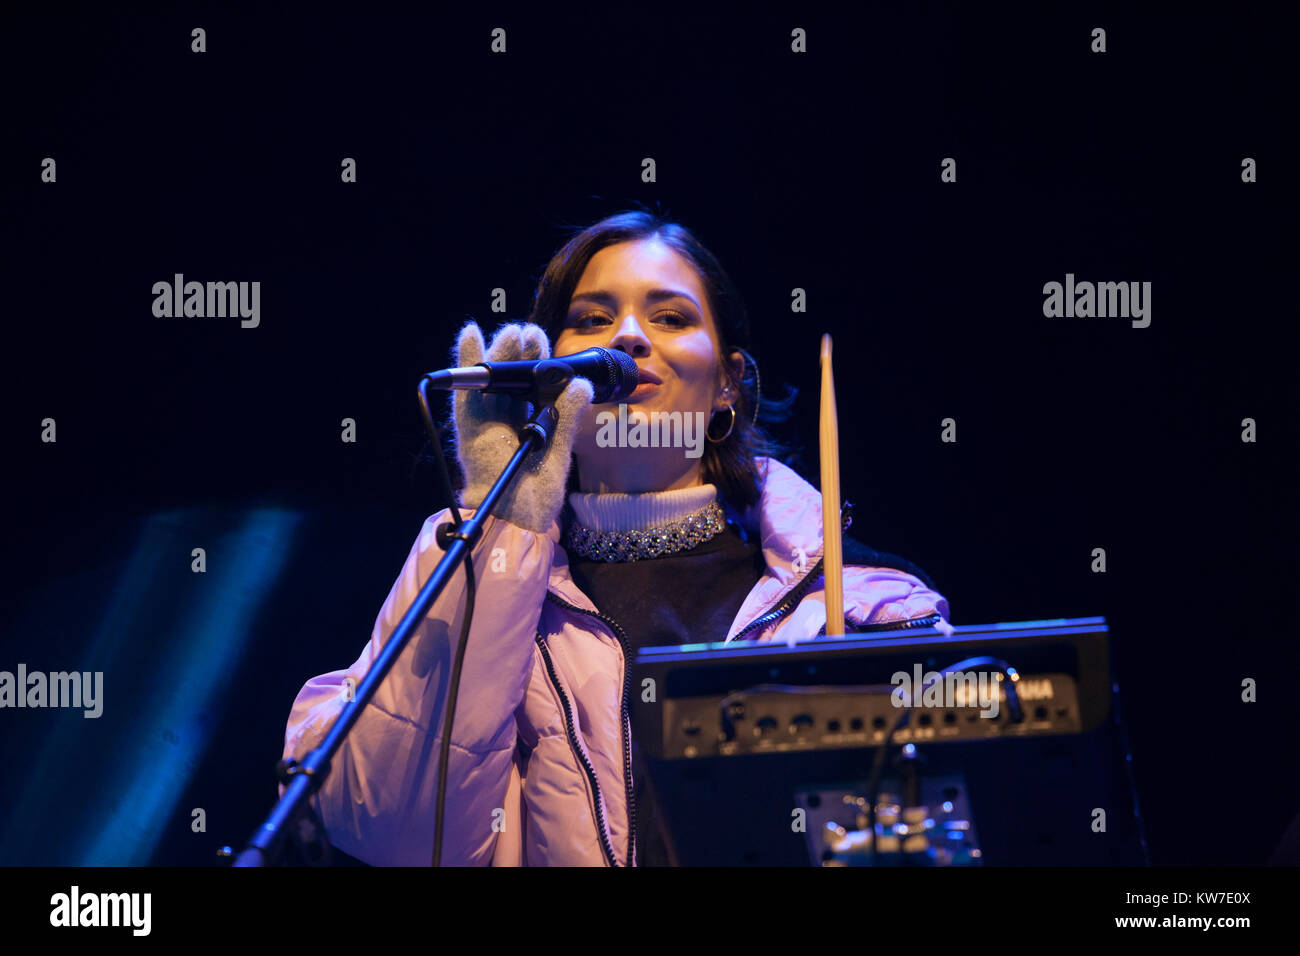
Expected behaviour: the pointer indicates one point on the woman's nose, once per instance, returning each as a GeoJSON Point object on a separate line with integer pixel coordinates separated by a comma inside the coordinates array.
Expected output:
{"type": "Point", "coordinates": [631, 338]}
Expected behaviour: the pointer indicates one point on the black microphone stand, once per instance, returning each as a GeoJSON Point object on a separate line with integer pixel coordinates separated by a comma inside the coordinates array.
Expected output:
{"type": "Point", "coordinates": [303, 778]}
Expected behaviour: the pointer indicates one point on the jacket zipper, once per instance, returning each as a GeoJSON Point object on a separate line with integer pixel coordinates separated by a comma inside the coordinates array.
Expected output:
{"type": "Point", "coordinates": [627, 723]}
{"type": "Point", "coordinates": [785, 605]}
{"type": "Point", "coordinates": [569, 726]}
{"type": "Point", "coordinates": [792, 598]}
{"type": "Point", "coordinates": [928, 620]}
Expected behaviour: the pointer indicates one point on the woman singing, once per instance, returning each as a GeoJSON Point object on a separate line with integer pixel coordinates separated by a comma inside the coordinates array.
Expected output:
{"type": "Point", "coordinates": [597, 550]}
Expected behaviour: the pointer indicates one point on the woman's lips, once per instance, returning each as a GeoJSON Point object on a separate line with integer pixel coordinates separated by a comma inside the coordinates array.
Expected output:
{"type": "Point", "coordinates": [642, 391]}
{"type": "Point", "coordinates": [647, 382]}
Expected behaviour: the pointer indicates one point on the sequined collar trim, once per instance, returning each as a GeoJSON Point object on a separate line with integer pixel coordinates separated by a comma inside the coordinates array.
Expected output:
{"type": "Point", "coordinates": [680, 535]}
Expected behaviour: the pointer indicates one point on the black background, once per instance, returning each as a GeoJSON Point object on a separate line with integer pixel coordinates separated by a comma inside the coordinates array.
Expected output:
{"type": "Point", "coordinates": [818, 171]}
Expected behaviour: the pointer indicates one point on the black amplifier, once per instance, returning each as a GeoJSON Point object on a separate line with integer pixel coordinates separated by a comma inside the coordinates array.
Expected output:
{"type": "Point", "coordinates": [1013, 727]}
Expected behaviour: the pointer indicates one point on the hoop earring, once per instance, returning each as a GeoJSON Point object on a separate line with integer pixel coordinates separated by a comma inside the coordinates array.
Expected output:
{"type": "Point", "coordinates": [732, 409]}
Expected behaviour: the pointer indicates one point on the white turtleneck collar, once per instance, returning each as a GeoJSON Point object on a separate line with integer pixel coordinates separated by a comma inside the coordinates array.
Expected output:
{"type": "Point", "coordinates": [628, 512]}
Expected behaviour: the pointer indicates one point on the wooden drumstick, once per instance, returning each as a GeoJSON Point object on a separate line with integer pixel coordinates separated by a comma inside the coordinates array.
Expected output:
{"type": "Point", "coordinates": [833, 555]}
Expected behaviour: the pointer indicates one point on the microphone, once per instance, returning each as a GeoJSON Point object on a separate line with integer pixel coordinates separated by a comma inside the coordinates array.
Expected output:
{"type": "Point", "coordinates": [613, 374]}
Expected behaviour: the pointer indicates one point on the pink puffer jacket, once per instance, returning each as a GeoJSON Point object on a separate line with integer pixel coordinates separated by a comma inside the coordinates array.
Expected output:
{"type": "Point", "coordinates": [539, 767]}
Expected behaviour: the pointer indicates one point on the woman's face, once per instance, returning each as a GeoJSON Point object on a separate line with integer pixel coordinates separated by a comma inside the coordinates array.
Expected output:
{"type": "Point", "coordinates": [644, 298]}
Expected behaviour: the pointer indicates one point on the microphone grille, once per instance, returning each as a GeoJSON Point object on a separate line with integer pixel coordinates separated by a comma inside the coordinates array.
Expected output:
{"type": "Point", "coordinates": [627, 374]}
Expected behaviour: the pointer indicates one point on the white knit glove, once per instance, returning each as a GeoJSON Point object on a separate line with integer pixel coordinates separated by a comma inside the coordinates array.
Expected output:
{"type": "Point", "coordinates": [487, 431]}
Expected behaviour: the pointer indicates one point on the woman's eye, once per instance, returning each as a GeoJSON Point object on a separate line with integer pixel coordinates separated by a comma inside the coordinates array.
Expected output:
{"type": "Point", "coordinates": [593, 319]}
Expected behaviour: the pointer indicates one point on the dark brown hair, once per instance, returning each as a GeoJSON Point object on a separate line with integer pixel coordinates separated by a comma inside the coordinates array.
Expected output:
{"type": "Point", "coordinates": [729, 464]}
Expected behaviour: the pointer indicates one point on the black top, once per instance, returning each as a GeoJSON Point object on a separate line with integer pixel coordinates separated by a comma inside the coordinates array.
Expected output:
{"type": "Point", "coordinates": [684, 598]}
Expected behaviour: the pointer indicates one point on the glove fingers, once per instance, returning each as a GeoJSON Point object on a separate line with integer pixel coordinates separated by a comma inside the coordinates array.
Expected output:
{"type": "Point", "coordinates": [570, 405]}
{"type": "Point", "coordinates": [507, 345]}
{"type": "Point", "coordinates": [513, 342]}
{"type": "Point", "coordinates": [473, 409]}
{"type": "Point", "coordinates": [469, 346]}
{"type": "Point", "coordinates": [535, 344]}
{"type": "Point", "coordinates": [467, 407]}
{"type": "Point", "coordinates": [578, 394]}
